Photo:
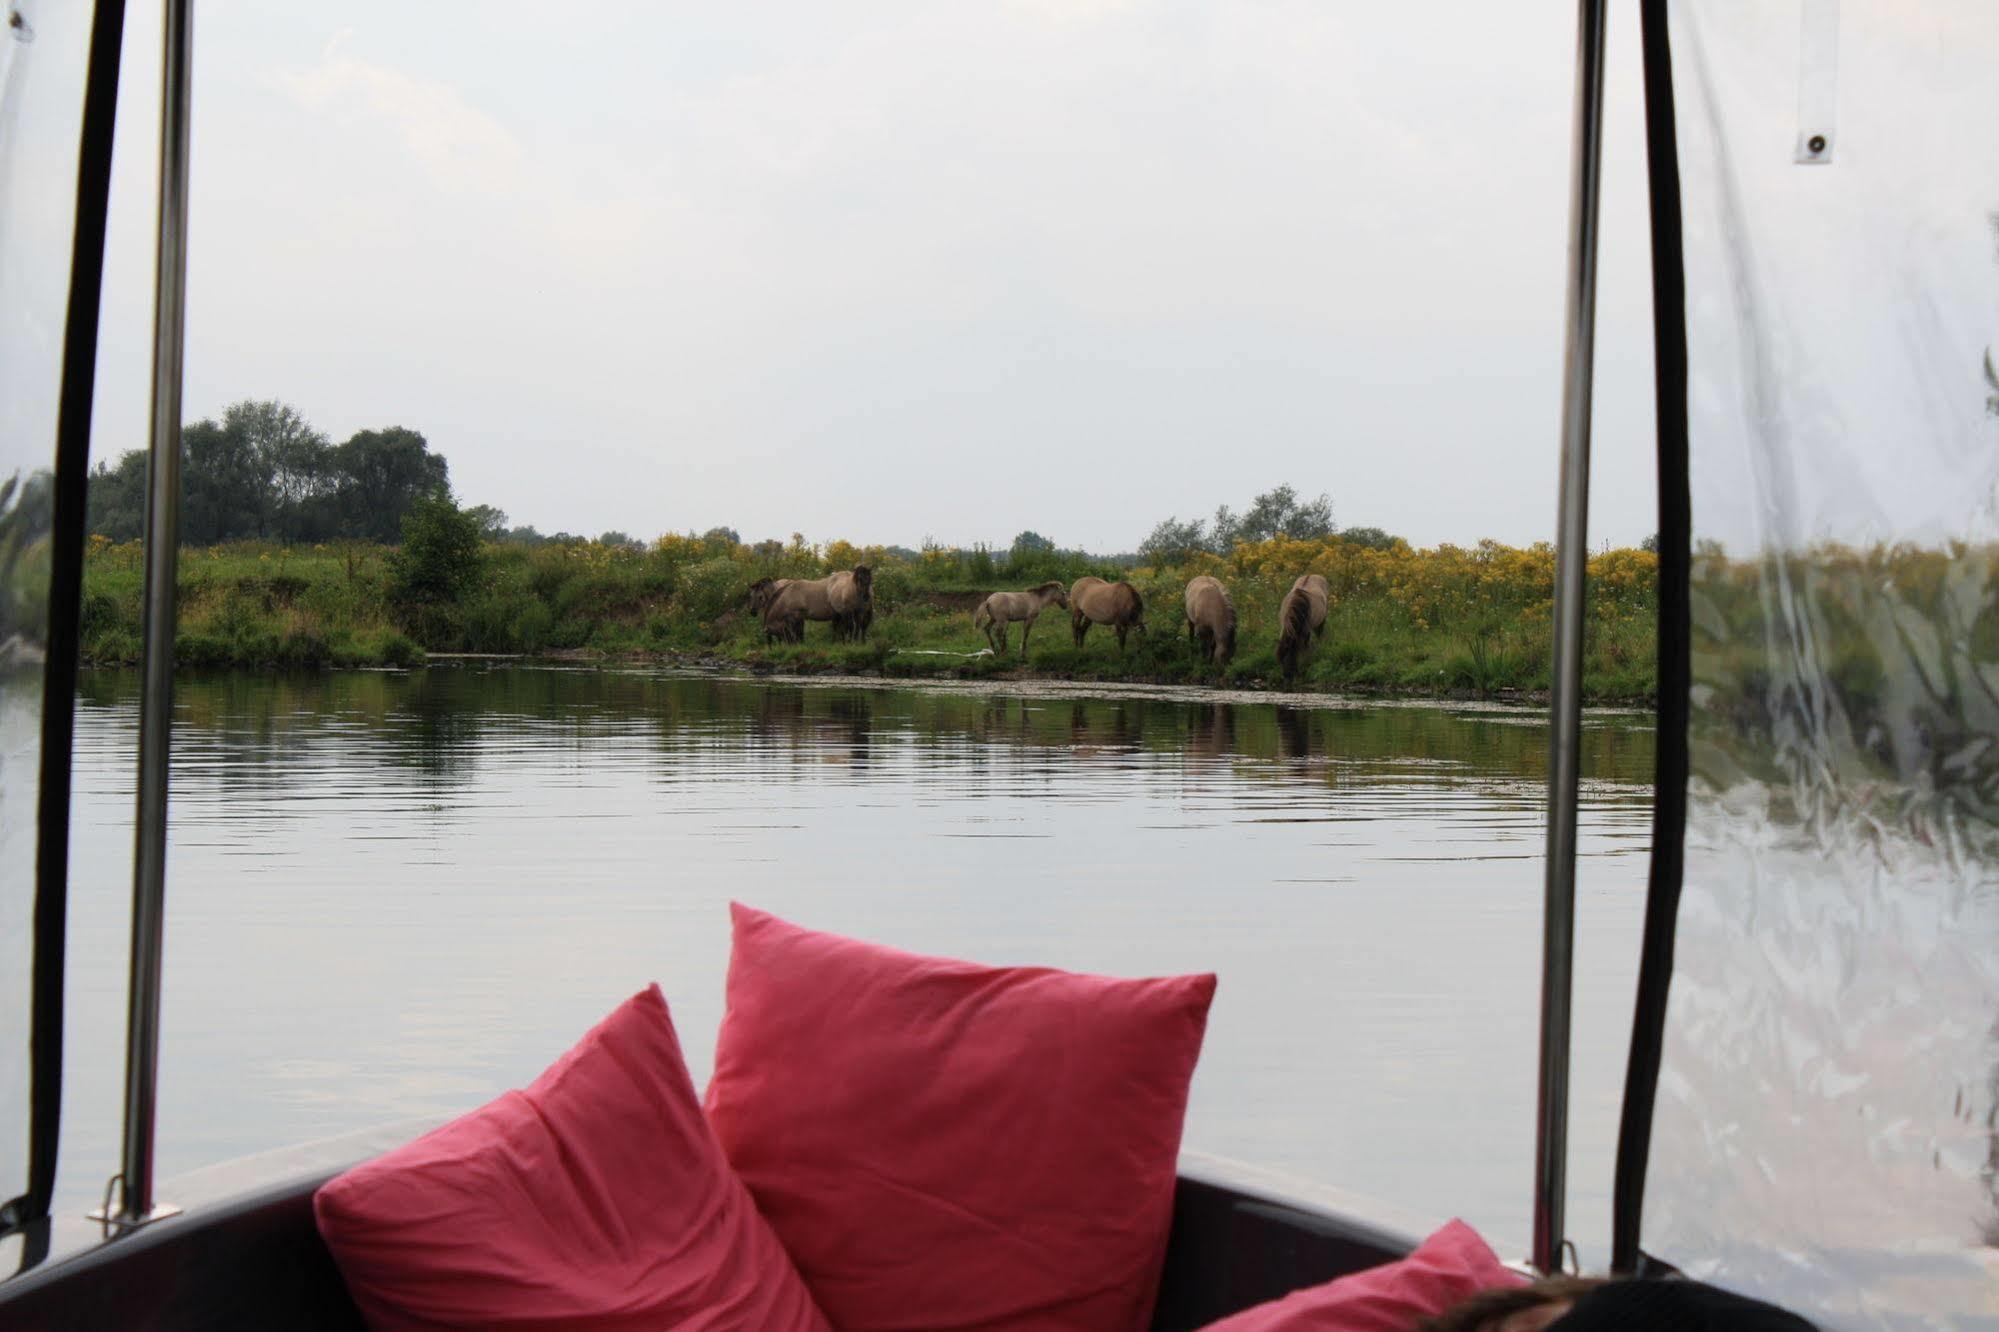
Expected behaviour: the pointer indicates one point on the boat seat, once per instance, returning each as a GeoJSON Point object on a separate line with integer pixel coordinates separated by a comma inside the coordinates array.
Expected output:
{"type": "Point", "coordinates": [253, 1260]}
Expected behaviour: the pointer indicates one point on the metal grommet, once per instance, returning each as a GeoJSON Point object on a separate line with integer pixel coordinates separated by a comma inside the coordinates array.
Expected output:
{"type": "Point", "coordinates": [1816, 143]}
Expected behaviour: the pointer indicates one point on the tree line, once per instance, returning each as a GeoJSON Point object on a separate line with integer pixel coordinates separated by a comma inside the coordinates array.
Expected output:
{"type": "Point", "coordinates": [264, 473]}
{"type": "Point", "coordinates": [1274, 513]}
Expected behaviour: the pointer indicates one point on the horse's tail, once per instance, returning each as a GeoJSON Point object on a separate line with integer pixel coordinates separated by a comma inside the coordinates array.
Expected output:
{"type": "Point", "coordinates": [1297, 613]}
{"type": "Point", "coordinates": [983, 616]}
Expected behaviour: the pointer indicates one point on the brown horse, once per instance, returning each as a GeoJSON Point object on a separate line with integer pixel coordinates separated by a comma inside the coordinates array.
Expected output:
{"type": "Point", "coordinates": [1302, 618]}
{"type": "Point", "coordinates": [763, 591]}
{"type": "Point", "coordinates": [1002, 608]}
{"type": "Point", "coordinates": [846, 599]}
{"type": "Point", "coordinates": [1093, 601]}
{"type": "Point", "coordinates": [1211, 619]}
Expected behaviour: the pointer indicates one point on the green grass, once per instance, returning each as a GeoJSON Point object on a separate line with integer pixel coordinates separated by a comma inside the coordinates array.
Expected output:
{"type": "Point", "coordinates": [270, 607]}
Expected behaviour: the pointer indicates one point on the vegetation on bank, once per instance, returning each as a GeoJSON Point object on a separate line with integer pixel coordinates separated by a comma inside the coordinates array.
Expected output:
{"type": "Point", "coordinates": [300, 552]}
{"type": "Point", "coordinates": [1447, 620]}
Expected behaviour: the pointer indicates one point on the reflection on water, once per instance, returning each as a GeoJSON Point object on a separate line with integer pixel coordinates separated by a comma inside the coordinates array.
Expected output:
{"type": "Point", "coordinates": [396, 894]}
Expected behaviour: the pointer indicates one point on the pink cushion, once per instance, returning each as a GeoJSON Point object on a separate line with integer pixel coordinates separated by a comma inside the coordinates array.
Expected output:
{"type": "Point", "coordinates": [595, 1199]}
{"type": "Point", "coordinates": [1452, 1265]}
{"type": "Point", "coordinates": [943, 1145]}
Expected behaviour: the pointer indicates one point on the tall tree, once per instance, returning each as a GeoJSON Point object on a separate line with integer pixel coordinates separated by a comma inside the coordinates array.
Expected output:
{"type": "Point", "coordinates": [116, 504]}
{"type": "Point", "coordinates": [1172, 542]}
{"type": "Point", "coordinates": [1224, 531]}
{"type": "Point", "coordinates": [294, 462]}
{"type": "Point", "coordinates": [382, 474]}
{"type": "Point", "coordinates": [492, 522]}
{"type": "Point", "coordinates": [263, 471]}
{"type": "Point", "coordinates": [1278, 512]}
{"type": "Point", "coordinates": [222, 486]}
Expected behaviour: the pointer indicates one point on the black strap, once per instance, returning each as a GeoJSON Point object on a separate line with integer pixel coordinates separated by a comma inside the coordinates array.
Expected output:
{"type": "Point", "coordinates": [72, 468]}
{"type": "Point", "coordinates": [1669, 801]}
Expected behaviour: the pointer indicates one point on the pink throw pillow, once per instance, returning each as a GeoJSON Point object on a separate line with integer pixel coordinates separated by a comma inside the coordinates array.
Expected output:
{"type": "Point", "coordinates": [943, 1145]}
{"type": "Point", "coordinates": [596, 1199]}
{"type": "Point", "coordinates": [1449, 1267]}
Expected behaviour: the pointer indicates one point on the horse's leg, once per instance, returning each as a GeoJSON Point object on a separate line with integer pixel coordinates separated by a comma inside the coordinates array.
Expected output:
{"type": "Point", "coordinates": [1025, 625]}
{"type": "Point", "coordinates": [1122, 630]}
{"type": "Point", "coordinates": [1001, 626]}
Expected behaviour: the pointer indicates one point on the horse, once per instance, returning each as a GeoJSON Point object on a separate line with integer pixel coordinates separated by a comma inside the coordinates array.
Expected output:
{"type": "Point", "coordinates": [1303, 620]}
{"type": "Point", "coordinates": [1093, 601]}
{"type": "Point", "coordinates": [853, 597]}
{"type": "Point", "coordinates": [762, 591]}
{"type": "Point", "coordinates": [1002, 608]}
{"type": "Point", "coordinates": [846, 599]}
{"type": "Point", "coordinates": [1211, 619]}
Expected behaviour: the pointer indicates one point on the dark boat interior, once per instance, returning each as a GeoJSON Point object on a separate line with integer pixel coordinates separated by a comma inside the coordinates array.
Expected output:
{"type": "Point", "coordinates": [246, 1254]}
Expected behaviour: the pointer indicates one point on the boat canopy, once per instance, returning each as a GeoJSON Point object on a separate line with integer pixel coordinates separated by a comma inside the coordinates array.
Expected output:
{"type": "Point", "coordinates": [1827, 1076]}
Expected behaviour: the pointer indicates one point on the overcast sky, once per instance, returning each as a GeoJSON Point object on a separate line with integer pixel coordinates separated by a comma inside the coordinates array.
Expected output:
{"type": "Point", "coordinates": [898, 270]}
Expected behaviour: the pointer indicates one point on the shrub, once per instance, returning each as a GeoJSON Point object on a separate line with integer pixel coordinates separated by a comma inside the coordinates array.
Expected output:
{"type": "Point", "coordinates": [709, 588]}
{"type": "Point", "coordinates": [441, 556]}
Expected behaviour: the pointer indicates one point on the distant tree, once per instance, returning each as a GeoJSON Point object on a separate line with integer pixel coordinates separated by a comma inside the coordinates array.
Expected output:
{"type": "Point", "coordinates": [524, 535]}
{"type": "Point", "coordinates": [440, 556]}
{"type": "Point", "coordinates": [383, 473]}
{"type": "Point", "coordinates": [1172, 542]}
{"type": "Point", "coordinates": [725, 538]}
{"type": "Point", "coordinates": [492, 522]}
{"type": "Point", "coordinates": [1278, 512]}
{"type": "Point", "coordinates": [1224, 531]}
{"type": "Point", "coordinates": [617, 538]}
{"type": "Point", "coordinates": [1371, 537]}
{"type": "Point", "coordinates": [262, 471]}
{"type": "Point", "coordinates": [1650, 544]}
{"type": "Point", "coordinates": [223, 492]}
{"type": "Point", "coordinates": [116, 498]}
{"type": "Point", "coordinates": [1032, 556]}
{"type": "Point", "coordinates": [294, 467]}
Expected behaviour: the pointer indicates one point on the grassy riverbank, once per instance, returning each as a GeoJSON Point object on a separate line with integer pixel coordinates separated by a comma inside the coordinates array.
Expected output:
{"type": "Point", "coordinates": [1448, 620]}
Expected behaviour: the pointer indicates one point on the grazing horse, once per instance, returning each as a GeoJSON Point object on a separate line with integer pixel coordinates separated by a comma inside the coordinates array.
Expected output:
{"type": "Point", "coordinates": [1093, 601]}
{"type": "Point", "coordinates": [846, 599]}
{"type": "Point", "coordinates": [1211, 619]}
{"type": "Point", "coordinates": [1302, 618]}
{"type": "Point", "coordinates": [1002, 608]}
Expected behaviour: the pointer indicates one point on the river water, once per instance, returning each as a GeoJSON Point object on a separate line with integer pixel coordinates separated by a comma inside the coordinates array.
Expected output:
{"type": "Point", "coordinates": [397, 894]}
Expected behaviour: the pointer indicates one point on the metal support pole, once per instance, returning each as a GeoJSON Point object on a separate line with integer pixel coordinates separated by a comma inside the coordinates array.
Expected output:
{"type": "Point", "coordinates": [1551, 1146]}
{"type": "Point", "coordinates": [142, 1033]}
